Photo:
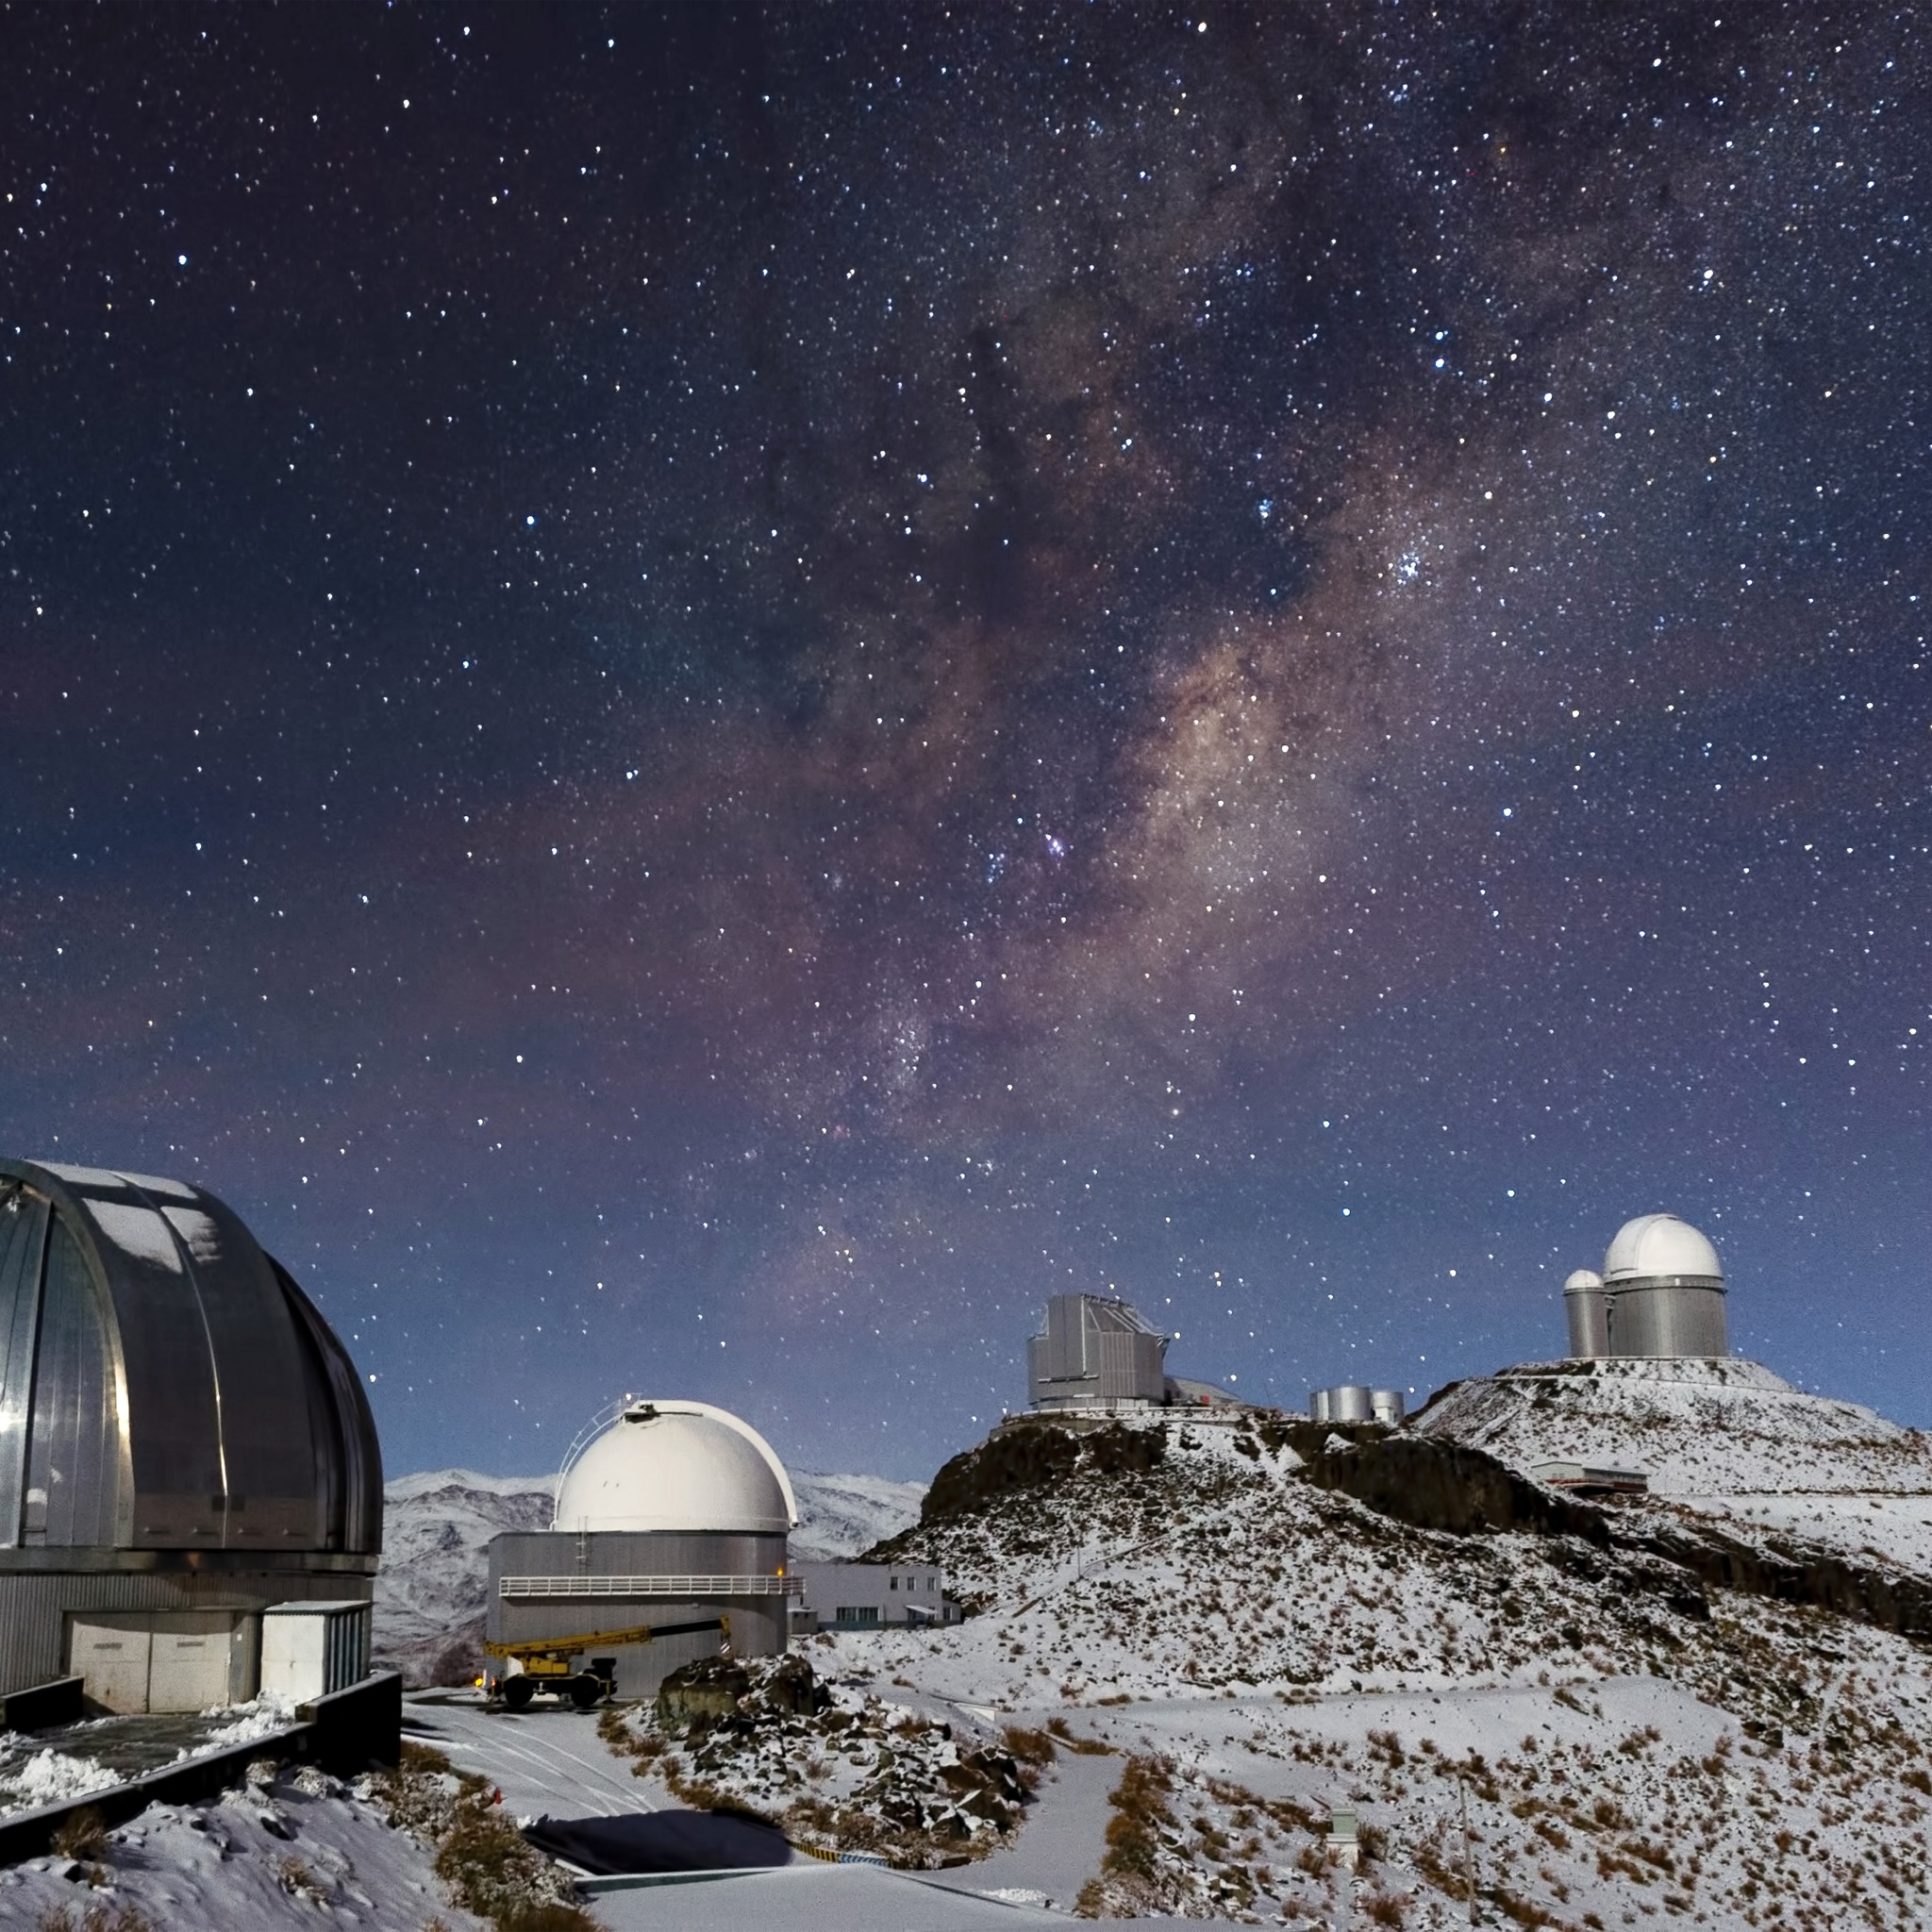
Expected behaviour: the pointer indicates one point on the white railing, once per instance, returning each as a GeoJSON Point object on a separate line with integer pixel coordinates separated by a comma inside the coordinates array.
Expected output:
{"type": "Point", "coordinates": [684, 1586]}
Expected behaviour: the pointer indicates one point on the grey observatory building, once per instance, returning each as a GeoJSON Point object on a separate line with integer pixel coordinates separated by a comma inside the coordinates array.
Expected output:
{"type": "Point", "coordinates": [672, 1520]}
{"type": "Point", "coordinates": [1662, 1295]}
{"type": "Point", "coordinates": [1098, 1352]}
{"type": "Point", "coordinates": [184, 1444]}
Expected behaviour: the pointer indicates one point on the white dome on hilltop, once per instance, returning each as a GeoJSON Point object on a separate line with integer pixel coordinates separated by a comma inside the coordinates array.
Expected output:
{"type": "Point", "coordinates": [1660, 1244]}
{"type": "Point", "coordinates": [680, 1466]}
{"type": "Point", "coordinates": [1582, 1280]}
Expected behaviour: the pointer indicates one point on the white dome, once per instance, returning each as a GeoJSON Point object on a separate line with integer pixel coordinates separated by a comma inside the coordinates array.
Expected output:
{"type": "Point", "coordinates": [1583, 1279]}
{"type": "Point", "coordinates": [681, 1466]}
{"type": "Point", "coordinates": [1656, 1245]}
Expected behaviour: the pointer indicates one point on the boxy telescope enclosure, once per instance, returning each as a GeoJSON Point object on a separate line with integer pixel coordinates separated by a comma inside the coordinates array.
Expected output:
{"type": "Point", "coordinates": [183, 1441]}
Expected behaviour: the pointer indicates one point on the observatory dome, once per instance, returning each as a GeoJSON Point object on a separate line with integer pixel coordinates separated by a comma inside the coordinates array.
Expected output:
{"type": "Point", "coordinates": [1660, 1247]}
{"type": "Point", "coordinates": [678, 1466]}
{"type": "Point", "coordinates": [164, 1385]}
{"type": "Point", "coordinates": [1582, 1281]}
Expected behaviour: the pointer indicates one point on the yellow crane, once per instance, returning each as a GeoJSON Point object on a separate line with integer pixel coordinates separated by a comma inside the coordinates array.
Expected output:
{"type": "Point", "coordinates": [549, 1663]}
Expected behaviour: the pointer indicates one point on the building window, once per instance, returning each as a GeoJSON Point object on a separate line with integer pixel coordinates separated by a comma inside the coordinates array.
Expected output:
{"type": "Point", "coordinates": [858, 1616]}
{"type": "Point", "coordinates": [894, 1583]}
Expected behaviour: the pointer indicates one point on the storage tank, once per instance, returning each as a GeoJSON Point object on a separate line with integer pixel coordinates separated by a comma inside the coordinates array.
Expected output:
{"type": "Point", "coordinates": [1351, 1403]}
{"type": "Point", "coordinates": [1385, 1406]}
{"type": "Point", "coordinates": [1317, 1405]}
{"type": "Point", "coordinates": [1588, 1310]}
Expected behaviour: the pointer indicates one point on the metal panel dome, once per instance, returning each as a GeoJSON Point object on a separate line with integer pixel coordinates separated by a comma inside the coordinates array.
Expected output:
{"type": "Point", "coordinates": [164, 1385]}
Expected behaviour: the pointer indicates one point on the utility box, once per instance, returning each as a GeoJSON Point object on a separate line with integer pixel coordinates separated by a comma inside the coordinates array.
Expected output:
{"type": "Point", "coordinates": [313, 1649]}
{"type": "Point", "coordinates": [1344, 1839]}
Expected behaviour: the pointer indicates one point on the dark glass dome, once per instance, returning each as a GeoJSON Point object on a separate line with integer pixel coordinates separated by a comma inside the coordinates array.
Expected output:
{"type": "Point", "coordinates": [163, 1383]}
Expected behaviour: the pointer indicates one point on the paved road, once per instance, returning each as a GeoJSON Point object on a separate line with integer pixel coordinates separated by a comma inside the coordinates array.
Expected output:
{"type": "Point", "coordinates": [811, 1897]}
{"type": "Point", "coordinates": [545, 1761]}
{"type": "Point", "coordinates": [1062, 1840]}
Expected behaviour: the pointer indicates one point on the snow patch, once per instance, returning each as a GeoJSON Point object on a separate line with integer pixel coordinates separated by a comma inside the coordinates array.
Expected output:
{"type": "Point", "coordinates": [137, 1231]}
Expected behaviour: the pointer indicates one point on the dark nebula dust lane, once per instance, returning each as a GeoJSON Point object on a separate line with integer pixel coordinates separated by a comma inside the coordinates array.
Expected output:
{"type": "Point", "coordinates": [704, 697]}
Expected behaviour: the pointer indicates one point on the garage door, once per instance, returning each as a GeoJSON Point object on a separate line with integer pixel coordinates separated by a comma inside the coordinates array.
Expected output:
{"type": "Point", "coordinates": [113, 1657]}
{"type": "Point", "coordinates": [189, 1665]}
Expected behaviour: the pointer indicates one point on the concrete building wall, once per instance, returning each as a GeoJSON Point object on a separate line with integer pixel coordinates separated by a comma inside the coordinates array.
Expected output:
{"type": "Point", "coordinates": [881, 1594]}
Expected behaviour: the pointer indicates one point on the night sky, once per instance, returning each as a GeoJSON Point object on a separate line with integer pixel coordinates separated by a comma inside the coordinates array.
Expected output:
{"type": "Point", "coordinates": [701, 699]}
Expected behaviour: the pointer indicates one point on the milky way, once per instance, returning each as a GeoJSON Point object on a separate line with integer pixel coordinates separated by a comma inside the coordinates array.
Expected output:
{"type": "Point", "coordinates": [702, 700]}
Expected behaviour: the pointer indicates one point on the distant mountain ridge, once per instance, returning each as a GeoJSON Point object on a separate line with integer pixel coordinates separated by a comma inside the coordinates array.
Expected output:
{"type": "Point", "coordinates": [437, 1522]}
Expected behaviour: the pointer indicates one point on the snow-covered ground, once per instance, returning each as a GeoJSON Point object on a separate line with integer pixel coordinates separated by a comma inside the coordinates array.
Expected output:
{"type": "Point", "coordinates": [1704, 1428]}
{"type": "Point", "coordinates": [299, 1850]}
{"type": "Point", "coordinates": [1627, 1743]}
{"type": "Point", "coordinates": [1722, 1439]}
{"type": "Point", "coordinates": [1229, 1654]}
{"type": "Point", "coordinates": [47, 1767]}
{"type": "Point", "coordinates": [437, 1524]}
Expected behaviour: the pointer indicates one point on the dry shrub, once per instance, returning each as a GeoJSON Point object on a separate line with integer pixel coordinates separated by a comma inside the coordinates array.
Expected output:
{"type": "Point", "coordinates": [81, 1834]}
{"type": "Point", "coordinates": [298, 1878]}
{"type": "Point", "coordinates": [481, 1855]}
{"type": "Point", "coordinates": [1029, 1747]}
{"type": "Point", "coordinates": [1385, 1908]}
{"type": "Point", "coordinates": [492, 1872]}
{"type": "Point", "coordinates": [1139, 1809]}
{"type": "Point", "coordinates": [100, 1917]}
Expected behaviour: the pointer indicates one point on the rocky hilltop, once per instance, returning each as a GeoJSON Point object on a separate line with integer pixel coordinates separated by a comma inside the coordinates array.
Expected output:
{"type": "Point", "coordinates": [1648, 1711]}
{"type": "Point", "coordinates": [1719, 1438]}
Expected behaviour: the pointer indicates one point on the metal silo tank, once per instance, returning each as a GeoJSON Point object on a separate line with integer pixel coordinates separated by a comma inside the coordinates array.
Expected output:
{"type": "Point", "coordinates": [1351, 1403]}
{"type": "Point", "coordinates": [1317, 1405]}
{"type": "Point", "coordinates": [1387, 1405]}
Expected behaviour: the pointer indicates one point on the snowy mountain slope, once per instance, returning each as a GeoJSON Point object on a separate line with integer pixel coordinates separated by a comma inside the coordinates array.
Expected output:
{"type": "Point", "coordinates": [1696, 1428]}
{"type": "Point", "coordinates": [437, 1524]}
{"type": "Point", "coordinates": [1721, 1439]}
{"type": "Point", "coordinates": [429, 1592]}
{"type": "Point", "coordinates": [841, 1515]}
{"type": "Point", "coordinates": [302, 1848]}
{"type": "Point", "coordinates": [1627, 1737]}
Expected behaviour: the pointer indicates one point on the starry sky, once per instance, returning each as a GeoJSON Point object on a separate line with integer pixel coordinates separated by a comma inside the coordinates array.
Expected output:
{"type": "Point", "coordinates": [703, 698]}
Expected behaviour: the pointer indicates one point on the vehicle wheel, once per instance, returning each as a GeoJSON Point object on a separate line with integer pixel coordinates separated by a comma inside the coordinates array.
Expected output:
{"type": "Point", "coordinates": [586, 1690]}
{"type": "Point", "coordinates": [517, 1692]}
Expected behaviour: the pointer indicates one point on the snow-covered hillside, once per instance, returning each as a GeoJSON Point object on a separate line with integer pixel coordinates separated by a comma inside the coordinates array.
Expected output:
{"type": "Point", "coordinates": [292, 1848]}
{"type": "Point", "coordinates": [429, 1592]}
{"type": "Point", "coordinates": [437, 1524]}
{"type": "Point", "coordinates": [841, 1515]}
{"type": "Point", "coordinates": [1628, 1737]}
{"type": "Point", "coordinates": [1725, 1438]}
{"type": "Point", "coordinates": [1698, 1429]}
